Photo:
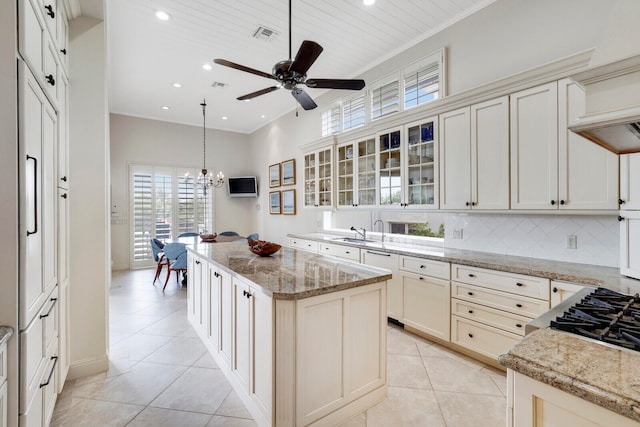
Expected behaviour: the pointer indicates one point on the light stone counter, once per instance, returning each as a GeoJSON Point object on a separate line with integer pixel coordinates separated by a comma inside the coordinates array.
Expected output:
{"type": "Point", "coordinates": [290, 274]}
{"type": "Point", "coordinates": [5, 334]}
{"type": "Point", "coordinates": [605, 375]}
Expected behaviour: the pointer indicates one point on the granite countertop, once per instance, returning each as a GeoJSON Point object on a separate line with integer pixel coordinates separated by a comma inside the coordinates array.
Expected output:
{"type": "Point", "coordinates": [602, 374]}
{"type": "Point", "coordinates": [291, 274]}
{"type": "Point", "coordinates": [5, 334]}
{"type": "Point", "coordinates": [585, 274]}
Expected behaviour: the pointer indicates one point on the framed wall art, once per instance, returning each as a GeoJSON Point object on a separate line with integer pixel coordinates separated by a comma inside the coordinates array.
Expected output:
{"type": "Point", "coordinates": [274, 175]}
{"type": "Point", "coordinates": [274, 203]}
{"type": "Point", "coordinates": [289, 202]}
{"type": "Point", "coordinates": [288, 172]}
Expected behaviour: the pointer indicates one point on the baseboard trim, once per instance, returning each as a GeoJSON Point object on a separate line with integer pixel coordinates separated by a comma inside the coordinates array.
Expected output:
{"type": "Point", "coordinates": [86, 367]}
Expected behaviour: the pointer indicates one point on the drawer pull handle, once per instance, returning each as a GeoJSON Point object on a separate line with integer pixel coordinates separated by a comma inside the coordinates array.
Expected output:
{"type": "Point", "coordinates": [49, 78]}
{"type": "Point", "coordinates": [55, 300]}
{"type": "Point", "coordinates": [64, 196]}
{"type": "Point", "coordinates": [347, 252]}
{"type": "Point", "coordinates": [470, 311]}
{"type": "Point", "coordinates": [470, 335]}
{"type": "Point", "coordinates": [35, 195]}
{"type": "Point", "coordinates": [421, 278]}
{"type": "Point", "coordinates": [53, 369]}
{"type": "Point", "coordinates": [50, 11]}
{"type": "Point", "coordinates": [519, 305]}
{"type": "Point", "coordinates": [63, 179]}
{"type": "Point", "coordinates": [378, 253]}
{"type": "Point", "coordinates": [470, 293]}
{"type": "Point", "coordinates": [216, 274]}
{"type": "Point", "coordinates": [63, 51]}
{"type": "Point", "coordinates": [518, 325]}
{"type": "Point", "coordinates": [620, 218]}
{"type": "Point", "coordinates": [197, 262]}
{"type": "Point", "coordinates": [519, 284]}
{"type": "Point", "coordinates": [472, 275]}
{"type": "Point", "coordinates": [423, 266]}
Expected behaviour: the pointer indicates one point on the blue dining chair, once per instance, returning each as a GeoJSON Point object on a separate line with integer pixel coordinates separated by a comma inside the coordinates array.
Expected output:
{"type": "Point", "coordinates": [189, 234]}
{"type": "Point", "coordinates": [253, 236]}
{"type": "Point", "coordinates": [228, 233]}
{"type": "Point", "coordinates": [158, 256]}
{"type": "Point", "coordinates": [176, 255]}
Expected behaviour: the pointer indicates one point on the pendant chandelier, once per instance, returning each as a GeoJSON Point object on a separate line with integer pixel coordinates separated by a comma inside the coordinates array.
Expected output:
{"type": "Point", "coordinates": [205, 178]}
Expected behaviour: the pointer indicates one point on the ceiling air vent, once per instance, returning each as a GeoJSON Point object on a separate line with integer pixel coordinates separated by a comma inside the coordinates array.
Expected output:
{"type": "Point", "coordinates": [265, 34]}
{"type": "Point", "coordinates": [219, 85]}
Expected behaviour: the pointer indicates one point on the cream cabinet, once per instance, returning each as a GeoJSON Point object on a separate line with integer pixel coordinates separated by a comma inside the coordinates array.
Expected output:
{"type": "Point", "coordinates": [226, 316]}
{"type": "Point", "coordinates": [64, 286]}
{"type": "Point", "coordinates": [421, 174]}
{"type": "Point", "coordinates": [214, 279]}
{"type": "Point", "coordinates": [3, 386]}
{"type": "Point", "coordinates": [630, 181]}
{"type": "Point", "coordinates": [345, 176]}
{"type": "Point", "coordinates": [474, 156]}
{"type": "Point", "coordinates": [630, 243]}
{"type": "Point", "coordinates": [532, 403]}
{"type": "Point", "coordinates": [347, 252]}
{"type": "Point", "coordinates": [394, 285]}
{"type": "Point", "coordinates": [304, 244]}
{"type": "Point", "coordinates": [357, 173]}
{"type": "Point", "coordinates": [318, 183]}
{"type": "Point", "coordinates": [426, 292]}
{"type": "Point", "coordinates": [562, 290]}
{"type": "Point", "coordinates": [489, 309]}
{"type": "Point", "coordinates": [390, 158]}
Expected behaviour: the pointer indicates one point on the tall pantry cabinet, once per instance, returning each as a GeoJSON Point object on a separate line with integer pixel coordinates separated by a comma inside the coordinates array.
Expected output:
{"type": "Point", "coordinates": [44, 191]}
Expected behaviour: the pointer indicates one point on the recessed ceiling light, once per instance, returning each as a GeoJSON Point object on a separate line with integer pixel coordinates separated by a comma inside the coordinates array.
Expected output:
{"type": "Point", "coordinates": [165, 107]}
{"type": "Point", "coordinates": [207, 67]}
{"type": "Point", "coordinates": [177, 85]}
{"type": "Point", "coordinates": [368, 2]}
{"type": "Point", "coordinates": [163, 16]}
{"type": "Point", "coordinates": [262, 116]}
{"type": "Point", "coordinates": [247, 100]}
{"type": "Point", "coordinates": [224, 117]}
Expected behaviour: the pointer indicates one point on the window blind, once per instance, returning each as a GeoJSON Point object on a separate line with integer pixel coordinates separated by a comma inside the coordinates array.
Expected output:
{"type": "Point", "coordinates": [422, 85]}
{"type": "Point", "coordinates": [331, 120]}
{"type": "Point", "coordinates": [353, 112]}
{"type": "Point", "coordinates": [142, 216]}
{"type": "Point", "coordinates": [385, 99]}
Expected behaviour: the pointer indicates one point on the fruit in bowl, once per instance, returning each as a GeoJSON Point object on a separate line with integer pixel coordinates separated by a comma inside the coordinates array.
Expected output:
{"type": "Point", "coordinates": [263, 248]}
{"type": "Point", "coordinates": [208, 237]}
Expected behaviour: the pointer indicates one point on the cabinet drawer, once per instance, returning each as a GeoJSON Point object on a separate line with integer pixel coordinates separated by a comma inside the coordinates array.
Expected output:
{"type": "Point", "coordinates": [3, 363]}
{"type": "Point", "coordinates": [38, 343]}
{"type": "Point", "coordinates": [519, 284]}
{"type": "Point", "coordinates": [439, 269]}
{"type": "Point", "coordinates": [490, 316]}
{"type": "Point", "coordinates": [340, 251]}
{"type": "Point", "coordinates": [3, 405]}
{"type": "Point", "coordinates": [523, 306]}
{"type": "Point", "coordinates": [303, 244]}
{"type": "Point", "coordinates": [38, 412]}
{"type": "Point", "coordinates": [480, 338]}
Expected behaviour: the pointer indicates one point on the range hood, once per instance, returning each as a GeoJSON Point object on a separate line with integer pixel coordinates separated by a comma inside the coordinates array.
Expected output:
{"type": "Point", "coordinates": [612, 117]}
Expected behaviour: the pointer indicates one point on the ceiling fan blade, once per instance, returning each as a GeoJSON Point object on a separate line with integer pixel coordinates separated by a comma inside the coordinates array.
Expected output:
{"type": "Point", "coordinates": [335, 84]}
{"type": "Point", "coordinates": [257, 93]}
{"type": "Point", "coordinates": [303, 98]}
{"type": "Point", "coordinates": [306, 56]}
{"type": "Point", "coordinates": [243, 68]}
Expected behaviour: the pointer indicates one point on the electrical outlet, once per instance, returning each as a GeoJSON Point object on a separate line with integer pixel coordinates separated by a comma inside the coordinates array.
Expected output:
{"type": "Point", "coordinates": [572, 241]}
{"type": "Point", "coordinates": [457, 233]}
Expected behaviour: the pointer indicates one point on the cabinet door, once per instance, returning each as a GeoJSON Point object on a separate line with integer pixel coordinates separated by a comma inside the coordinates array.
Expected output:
{"type": "Point", "coordinates": [345, 176]}
{"type": "Point", "coordinates": [421, 173]}
{"type": "Point", "coordinates": [63, 37]}
{"type": "Point", "coordinates": [64, 345]}
{"type": "Point", "coordinates": [242, 333]}
{"type": "Point", "coordinates": [32, 36]}
{"type": "Point", "coordinates": [630, 181]}
{"type": "Point", "coordinates": [213, 309]}
{"type": "Point", "coordinates": [490, 154]}
{"type": "Point", "coordinates": [366, 162]}
{"type": "Point", "coordinates": [534, 148]}
{"type": "Point", "coordinates": [226, 316]}
{"type": "Point", "coordinates": [562, 290]}
{"type": "Point", "coordinates": [390, 167]}
{"type": "Point", "coordinates": [587, 172]}
{"type": "Point", "coordinates": [310, 196]}
{"type": "Point", "coordinates": [630, 244]}
{"type": "Point", "coordinates": [394, 285]}
{"type": "Point", "coordinates": [262, 353]}
{"type": "Point", "coordinates": [455, 159]}
{"type": "Point", "coordinates": [426, 304]}
{"type": "Point", "coordinates": [63, 143]}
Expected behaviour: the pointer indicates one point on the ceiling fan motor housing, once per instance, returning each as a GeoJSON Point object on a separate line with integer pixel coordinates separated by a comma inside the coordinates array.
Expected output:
{"type": "Point", "coordinates": [289, 78]}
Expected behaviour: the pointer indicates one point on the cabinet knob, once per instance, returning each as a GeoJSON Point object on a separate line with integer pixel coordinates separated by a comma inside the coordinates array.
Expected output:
{"type": "Point", "coordinates": [519, 305]}
{"type": "Point", "coordinates": [553, 202]}
{"type": "Point", "coordinates": [64, 51]}
{"type": "Point", "coordinates": [421, 278]}
{"type": "Point", "coordinates": [473, 203]}
{"type": "Point", "coordinates": [422, 266]}
{"type": "Point", "coordinates": [244, 293]}
{"type": "Point", "coordinates": [470, 311]}
{"type": "Point", "coordinates": [467, 204]}
{"type": "Point", "coordinates": [50, 80]}
{"type": "Point", "coordinates": [470, 335]}
{"type": "Point", "coordinates": [620, 202]}
{"type": "Point", "coordinates": [518, 325]}
{"type": "Point", "coordinates": [50, 11]}
{"type": "Point", "coordinates": [470, 293]}
{"type": "Point", "coordinates": [562, 202]}
{"type": "Point", "coordinates": [63, 179]}
{"type": "Point", "coordinates": [620, 218]}
{"type": "Point", "coordinates": [64, 196]}
{"type": "Point", "coordinates": [555, 290]}
{"type": "Point", "coordinates": [472, 275]}
{"type": "Point", "coordinates": [519, 284]}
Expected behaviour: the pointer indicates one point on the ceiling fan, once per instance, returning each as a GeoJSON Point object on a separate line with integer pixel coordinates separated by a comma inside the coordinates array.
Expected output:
{"type": "Point", "coordinates": [291, 73]}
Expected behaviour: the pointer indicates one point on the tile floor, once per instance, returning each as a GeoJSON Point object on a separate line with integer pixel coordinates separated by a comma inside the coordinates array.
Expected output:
{"type": "Point", "coordinates": [161, 375]}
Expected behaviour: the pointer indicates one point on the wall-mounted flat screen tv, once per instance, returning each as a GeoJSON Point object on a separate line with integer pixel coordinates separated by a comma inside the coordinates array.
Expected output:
{"type": "Point", "coordinates": [243, 186]}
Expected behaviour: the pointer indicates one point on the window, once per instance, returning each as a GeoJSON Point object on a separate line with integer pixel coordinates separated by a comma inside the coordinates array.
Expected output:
{"type": "Point", "coordinates": [385, 99]}
{"type": "Point", "coordinates": [165, 202]}
{"type": "Point", "coordinates": [331, 120]}
{"type": "Point", "coordinates": [422, 82]}
{"type": "Point", "coordinates": [353, 112]}
{"type": "Point", "coordinates": [416, 229]}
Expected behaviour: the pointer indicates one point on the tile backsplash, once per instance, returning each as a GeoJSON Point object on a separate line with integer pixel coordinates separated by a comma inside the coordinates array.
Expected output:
{"type": "Point", "coordinates": [537, 236]}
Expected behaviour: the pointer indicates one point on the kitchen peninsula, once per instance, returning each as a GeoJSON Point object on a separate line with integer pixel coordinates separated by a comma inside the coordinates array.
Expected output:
{"type": "Point", "coordinates": [301, 337]}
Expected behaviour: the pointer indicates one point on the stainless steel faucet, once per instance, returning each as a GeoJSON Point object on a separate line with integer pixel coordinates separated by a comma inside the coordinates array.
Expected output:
{"type": "Point", "coordinates": [382, 229]}
{"type": "Point", "coordinates": [362, 233]}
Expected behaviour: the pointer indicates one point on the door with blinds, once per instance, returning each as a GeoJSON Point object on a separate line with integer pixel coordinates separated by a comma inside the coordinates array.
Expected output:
{"type": "Point", "coordinates": [165, 202]}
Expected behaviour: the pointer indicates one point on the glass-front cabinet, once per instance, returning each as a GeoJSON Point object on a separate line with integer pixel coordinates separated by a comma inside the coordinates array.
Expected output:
{"type": "Point", "coordinates": [390, 163]}
{"type": "Point", "coordinates": [317, 178]}
{"type": "Point", "coordinates": [356, 173]}
{"type": "Point", "coordinates": [344, 175]}
{"type": "Point", "coordinates": [421, 160]}
{"type": "Point", "coordinates": [366, 150]}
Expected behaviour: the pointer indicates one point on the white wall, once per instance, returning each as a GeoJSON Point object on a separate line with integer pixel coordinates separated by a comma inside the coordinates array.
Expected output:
{"type": "Point", "coordinates": [137, 140]}
{"type": "Point", "coordinates": [507, 37]}
{"type": "Point", "coordinates": [90, 273]}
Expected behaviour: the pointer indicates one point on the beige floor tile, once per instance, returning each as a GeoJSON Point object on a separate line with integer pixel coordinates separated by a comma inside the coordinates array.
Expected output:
{"type": "Point", "coordinates": [158, 417]}
{"type": "Point", "coordinates": [407, 371]}
{"type": "Point", "coordinates": [197, 390]}
{"type": "Point", "coordinates": [220, 421]}
{"type": "Point", "coordinates": [399, 342]}
{"type": "Point", "coordinates": [464, 410]}
{"type": "Point", "coordinates": [357, 421]}
{"type": "Point", "coordinates": [91, 413]}
{"type": "Point", "coordinates": [406, 407]}
{"type": "Point", "coordinates": [138, 346]}
{"type": "Point", "coordinates": [206, 361]}
{"type": "Point", "coordinates": [182, 351]}
{"type": "Point", "coordinates": [233, 407]}
{"type": "Point", "coordinates": [452, 375]}
{"type": "Point", "coordinates": [175, 325]}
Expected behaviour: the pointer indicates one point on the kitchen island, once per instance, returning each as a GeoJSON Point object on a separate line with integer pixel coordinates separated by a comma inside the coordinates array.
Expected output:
{"type": "Point", "coordinates": [301, 337]}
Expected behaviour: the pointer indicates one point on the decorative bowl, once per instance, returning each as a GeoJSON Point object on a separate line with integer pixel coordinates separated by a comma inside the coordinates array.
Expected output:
{"type": "Point", "coordinates": [208, 237]}
{"type": "Point", "coordinates": [263, 248]}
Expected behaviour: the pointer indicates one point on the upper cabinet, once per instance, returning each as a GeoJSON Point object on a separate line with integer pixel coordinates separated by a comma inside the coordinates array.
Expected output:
{"type": "Point", "coordinates": [390, 167]}
{"type": "Point", "coordinates": [356, 173]}
{"type": "Point", "coordinates": [421, 173]}
{"type": "Point", "coordinates": [317, 178]}
{"type": "Point", "coordinates": [474, 156]}
{"type": "Point", "coordinates": [552, 168]}
{"type": "Point", "coordinates": [630, 181]}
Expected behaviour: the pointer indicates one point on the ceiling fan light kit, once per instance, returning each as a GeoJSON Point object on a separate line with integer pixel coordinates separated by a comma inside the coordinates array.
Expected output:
{"type": "Point", "coordinates": [291, 73]}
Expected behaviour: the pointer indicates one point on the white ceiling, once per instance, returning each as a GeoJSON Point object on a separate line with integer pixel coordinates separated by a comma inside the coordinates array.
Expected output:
{"type": "Point", "coordinates": [146, 55]}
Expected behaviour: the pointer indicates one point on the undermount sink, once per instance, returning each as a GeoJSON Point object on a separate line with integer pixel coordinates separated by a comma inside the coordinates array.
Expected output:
{"type": "Point", "coordinates": [353, 240]}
